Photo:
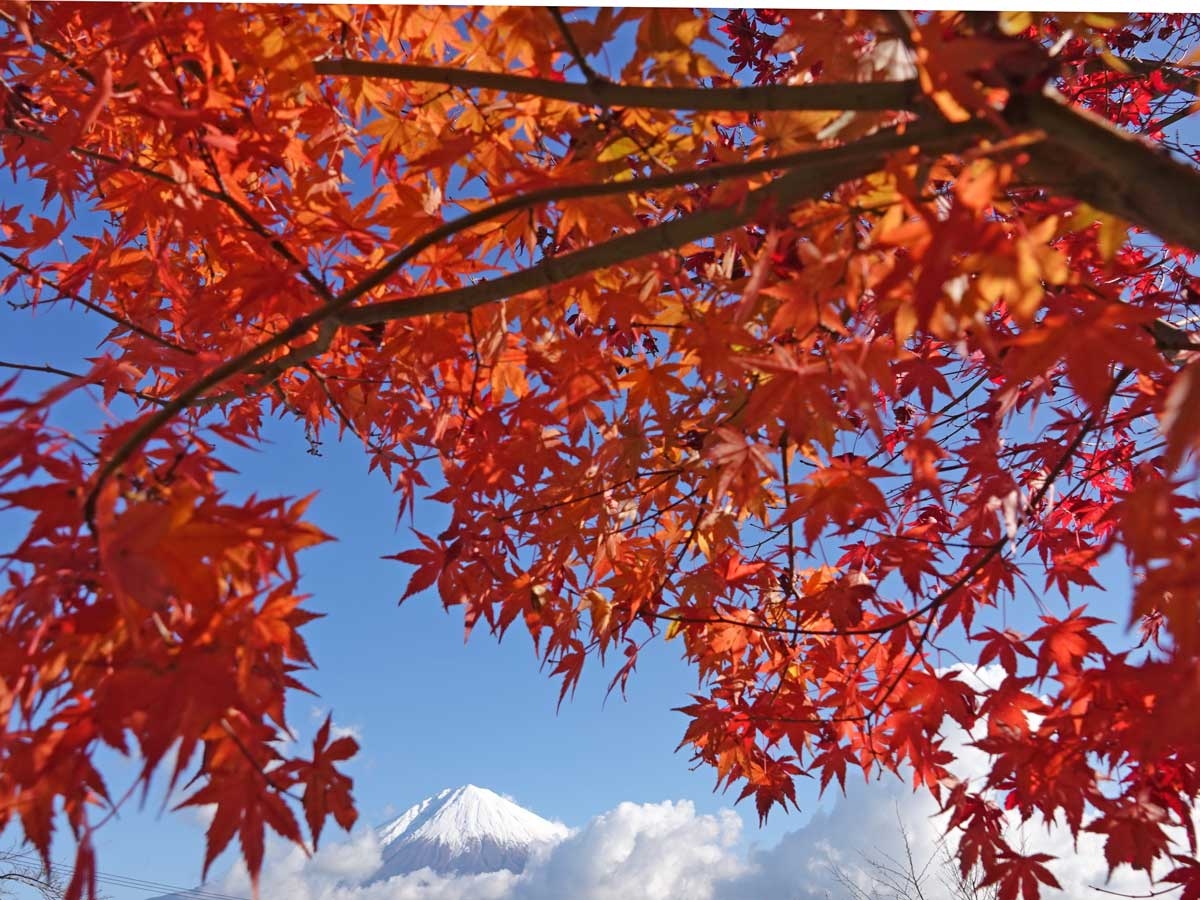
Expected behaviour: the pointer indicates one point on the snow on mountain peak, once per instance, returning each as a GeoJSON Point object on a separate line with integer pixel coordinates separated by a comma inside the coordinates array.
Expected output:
{"type": "Point", "coordinates": [464, 830]}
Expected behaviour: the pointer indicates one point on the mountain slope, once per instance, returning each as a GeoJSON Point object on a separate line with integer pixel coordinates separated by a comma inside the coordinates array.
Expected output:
{"type": "Point", "coordinates": [463, 831]}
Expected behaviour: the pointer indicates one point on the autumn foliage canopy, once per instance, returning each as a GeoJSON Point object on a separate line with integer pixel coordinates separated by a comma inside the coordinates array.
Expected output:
{"type": "Point", "coordinates": [820, 345]}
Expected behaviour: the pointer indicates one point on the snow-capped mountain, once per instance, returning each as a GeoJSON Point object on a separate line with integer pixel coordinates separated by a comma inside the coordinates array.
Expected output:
{"type": "Point", "coordinates": [464, 831]}
{"type": "Point", "coordinates": [459, 831]}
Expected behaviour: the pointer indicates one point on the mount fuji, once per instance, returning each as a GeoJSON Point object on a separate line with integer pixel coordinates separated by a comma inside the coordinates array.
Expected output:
{"type": "Point", "coordinates": [464, 831]}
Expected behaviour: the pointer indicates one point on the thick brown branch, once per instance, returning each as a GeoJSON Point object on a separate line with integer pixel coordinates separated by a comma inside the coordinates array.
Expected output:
{"type": "Point", "coordinates": [1178, 116]}
{"type": "Point", "coordinates": [1173, 339]}
{"type": "Point", "coordinates": [821, 172]}
{"type": "Point", "coordinates": [881, 95]}
{"type": "Point", "coordinates": [1110, 169]}
{"type": "Point", "coordinates": [707, 175]}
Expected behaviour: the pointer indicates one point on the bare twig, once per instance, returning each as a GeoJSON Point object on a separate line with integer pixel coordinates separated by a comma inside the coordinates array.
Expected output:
{"type": "Point", "coordinates": [1145, 896]}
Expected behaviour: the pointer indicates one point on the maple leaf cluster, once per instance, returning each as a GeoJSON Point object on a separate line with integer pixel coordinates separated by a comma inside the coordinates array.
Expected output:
{"type": "Point", "coordinates": [828, 378]}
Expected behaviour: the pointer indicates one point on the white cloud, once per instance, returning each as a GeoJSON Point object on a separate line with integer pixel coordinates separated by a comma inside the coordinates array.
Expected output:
{"type": "Point", "coordinates": [337, 870]}
{"type": "Point", "coordinates": [860, 826]}
{"type": "Point", "coordinates": [341, 731]}
{"type": "Point", "coordinates": [652, 850]}
{"type": "Point", "coordinates": [203, 815]}
{"type": "Point", "coordinates": [863, 827]}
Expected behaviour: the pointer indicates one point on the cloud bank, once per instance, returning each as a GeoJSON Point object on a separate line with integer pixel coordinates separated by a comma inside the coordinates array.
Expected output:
{"type": "Point", "coordinates": [661, 851]}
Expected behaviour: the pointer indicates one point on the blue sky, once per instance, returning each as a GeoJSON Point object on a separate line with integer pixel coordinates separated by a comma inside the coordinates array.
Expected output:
{"type": "Point", "coordinates": [430, 711]}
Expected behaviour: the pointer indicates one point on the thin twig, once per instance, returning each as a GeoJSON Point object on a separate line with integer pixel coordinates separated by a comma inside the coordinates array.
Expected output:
{"type": "Point", "coordinates": [577, 55]}
{"type": "Point", "coordinates": [1145, 896]}
{"type": "Point", "coordinates": [53, 370]}
{"type": "Point", "coordinates": [94, 307]}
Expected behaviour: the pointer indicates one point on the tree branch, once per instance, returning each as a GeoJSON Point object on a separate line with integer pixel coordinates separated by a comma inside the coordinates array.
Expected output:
{"type": "Point", "coordinates": [822, 171]}
{"type": "Point", "coordinates": [881, 95]}
{"type": "Point", "coordinates": [825, 169]}
{"type": "Point", "coordinates": [1145, 896]}
{"type": "Point", "coordinates": [1110, 169]}
{"type": "Point", "coordinates": [94, 307]}
{"type": "Point", "coordinates": [991, 551]}
{"type": "Point", "coordinates": [1172, 339]}
{"type": "Point", "coordinates": [557, 193]}
{"type": "Point", "coordinates": [115, 161]}
{"type": "Point", "coordinates": [50, 48]}
{"type": "Point", "coordinates": [1142, 67]}
{"type": "Point", "coordinates": [48, 369]}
